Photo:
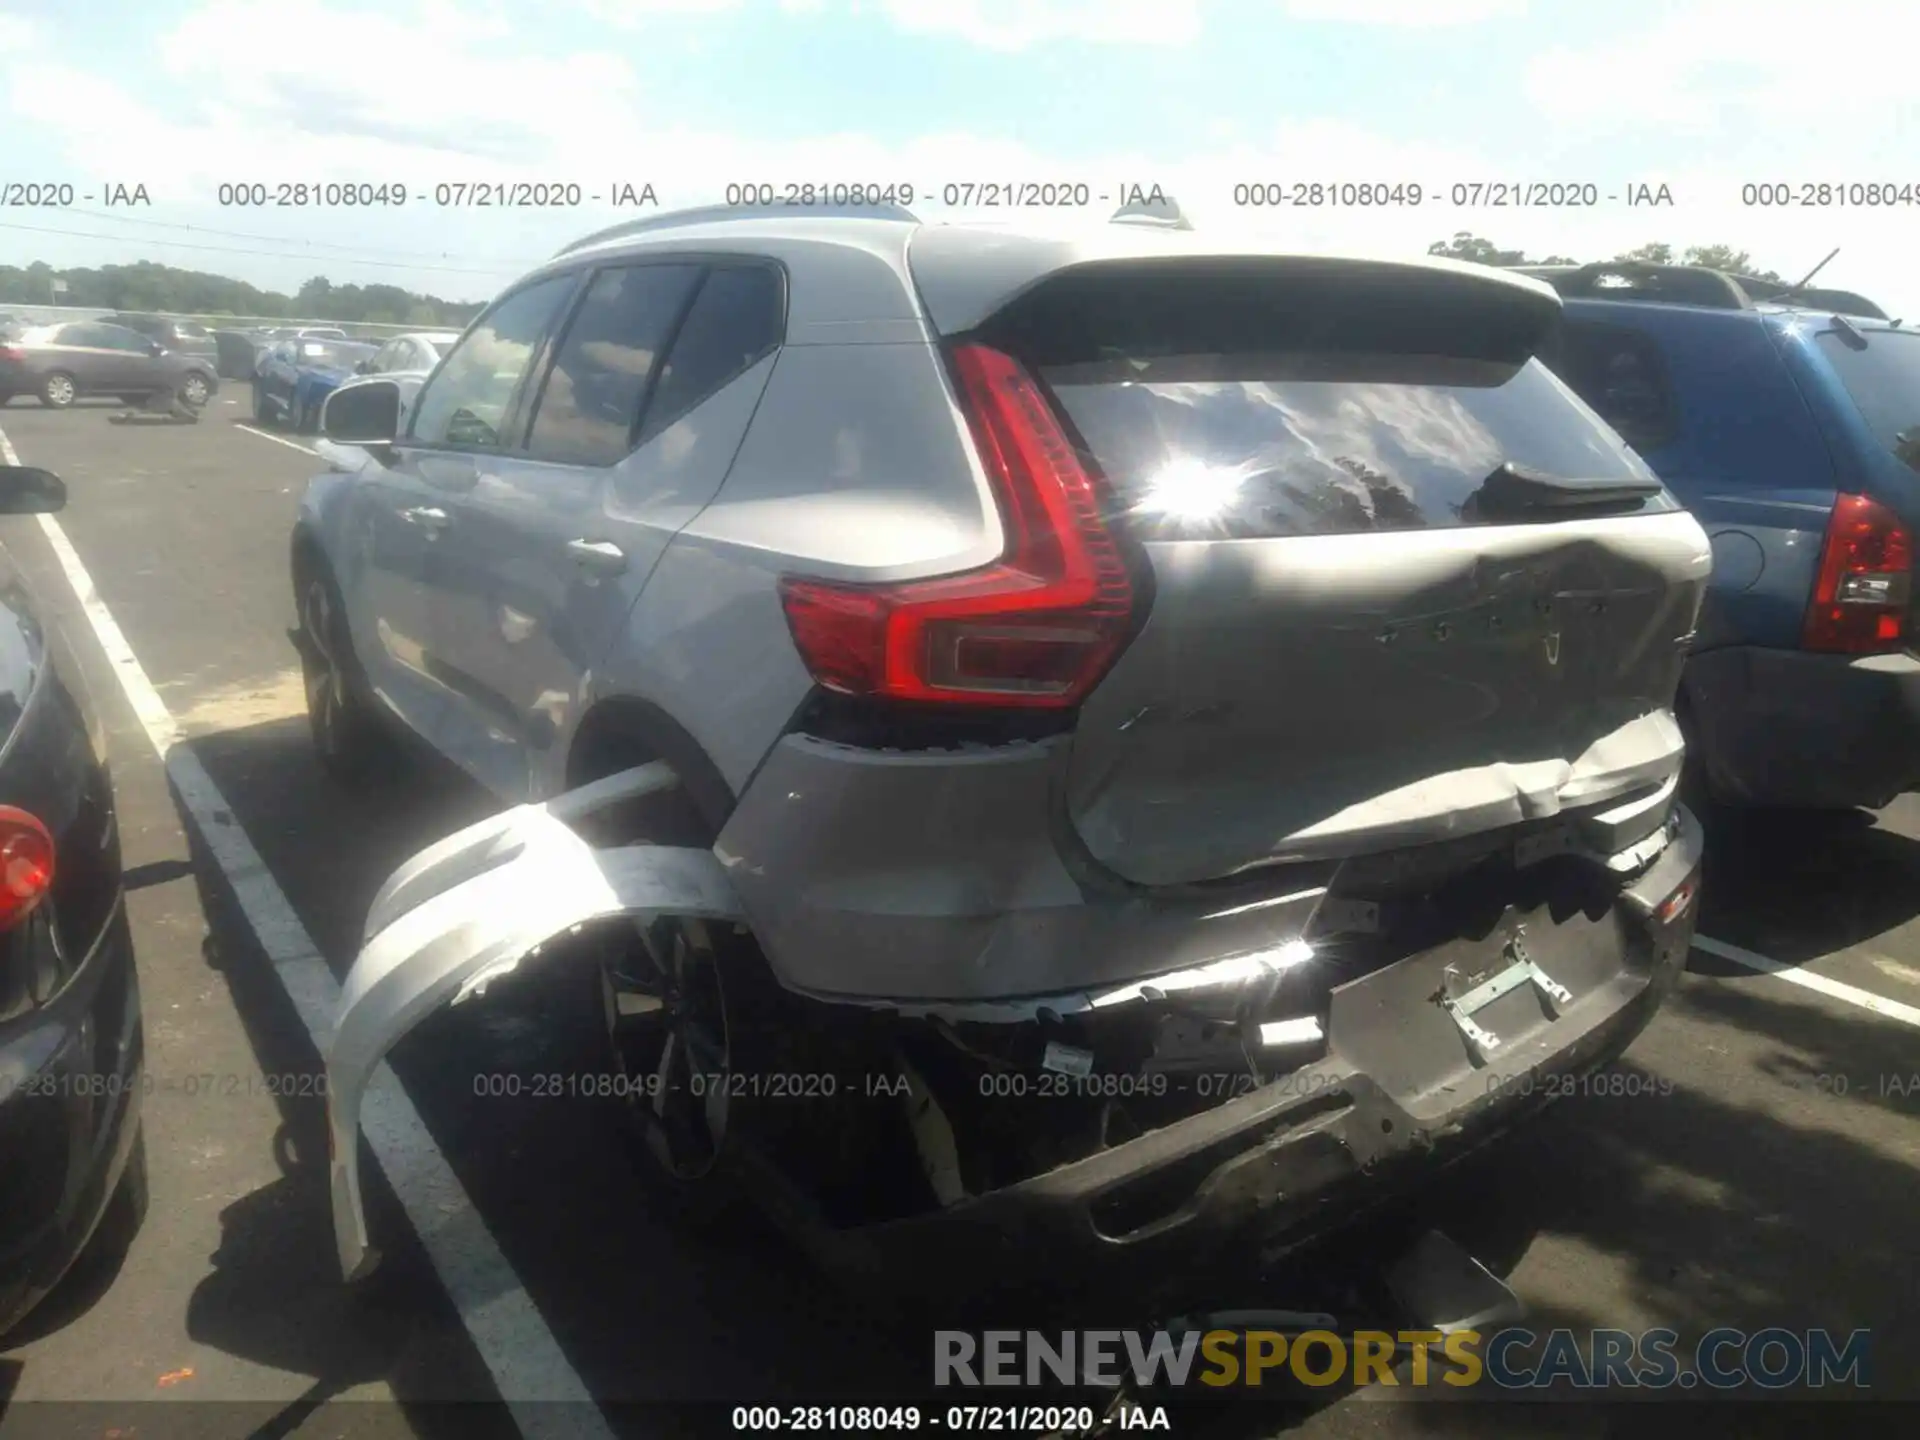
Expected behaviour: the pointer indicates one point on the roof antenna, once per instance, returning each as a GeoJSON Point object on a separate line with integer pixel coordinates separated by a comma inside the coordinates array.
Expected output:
{"type": "Point", "coordinates": [1805, 281]}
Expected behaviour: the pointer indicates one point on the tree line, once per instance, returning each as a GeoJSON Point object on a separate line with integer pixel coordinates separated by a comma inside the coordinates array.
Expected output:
{"type": "Point", "coordinates": [151, 287]}
{"type": "Point", "coordinates": [148, 286]}
{"type": "Point", "coordinates": [1467, 246]}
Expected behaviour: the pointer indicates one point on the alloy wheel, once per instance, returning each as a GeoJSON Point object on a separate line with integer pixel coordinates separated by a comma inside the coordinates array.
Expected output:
{"type": "Point", "coordinates": [325, 682]}
{"type": "Point", "coordinates": [666, 1015]}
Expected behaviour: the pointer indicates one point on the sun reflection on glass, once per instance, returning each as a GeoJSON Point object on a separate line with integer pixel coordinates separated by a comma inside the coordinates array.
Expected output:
{"type": "Point", "coordinates": [1192, 491]}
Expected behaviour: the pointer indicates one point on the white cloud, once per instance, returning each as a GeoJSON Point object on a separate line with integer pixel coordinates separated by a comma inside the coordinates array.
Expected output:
{"type": "Point", "coordinates": [239, 103]}
{"type": "Point", "coordinates": [17, 33]}
{"type": "Point", "coordinates": [1012, 25]}
{"type": "Point", "coordinates": [1411, 14]}
{"type": "Point", "coordinates": [631, 14]}
{"type": "Point", "coordinates": [1726, 67]}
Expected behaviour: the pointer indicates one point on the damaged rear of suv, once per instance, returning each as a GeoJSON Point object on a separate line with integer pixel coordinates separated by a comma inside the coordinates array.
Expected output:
{"type": "Point", "coordinates": [1177, 743]}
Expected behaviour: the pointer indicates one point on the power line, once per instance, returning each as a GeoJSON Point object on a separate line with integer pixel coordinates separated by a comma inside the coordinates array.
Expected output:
{"type": "Point", "coordinates": [235, 250]}
{"type": "Point", "coordinates": [271, 239]}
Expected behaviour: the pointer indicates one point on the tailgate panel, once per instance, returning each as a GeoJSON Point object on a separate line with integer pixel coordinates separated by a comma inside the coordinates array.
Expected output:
{"type": "Point", "coordinates": [1315, 696]}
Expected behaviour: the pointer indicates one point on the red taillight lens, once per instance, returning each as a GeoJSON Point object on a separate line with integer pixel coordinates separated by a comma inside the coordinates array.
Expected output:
{"type": "Point", "coordinates": [1039, 627]}
{"type": "Point", "coordinates": [26, 865]}
{"type": "Point", "coordinates": [12, 352]}
{"type": "Point", "coordinates": [1866, 580]}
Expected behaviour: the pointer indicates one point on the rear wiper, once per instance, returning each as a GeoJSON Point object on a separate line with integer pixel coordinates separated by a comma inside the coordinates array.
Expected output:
{"type": "Point", "coordinates": [1515, 490]}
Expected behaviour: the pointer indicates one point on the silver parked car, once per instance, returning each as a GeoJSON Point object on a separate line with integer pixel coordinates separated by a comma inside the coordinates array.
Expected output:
{"type": "Point", "coordinates": [1078, 746]}
{"type": "Point", "coordinates": [415, 353]}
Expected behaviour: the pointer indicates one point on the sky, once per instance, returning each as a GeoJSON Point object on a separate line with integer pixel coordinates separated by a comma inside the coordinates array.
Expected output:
{"type": "Point", "coordinates": [1196, 96]}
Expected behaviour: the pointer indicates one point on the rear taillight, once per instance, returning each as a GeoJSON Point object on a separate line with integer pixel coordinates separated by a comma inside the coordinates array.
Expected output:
{"type": "Point", "coordinates": [1866, 580]}
{"type": "Point", "coordinates": [12, 352]}
{"type": "Point", "coordinates": [1038, 627]}
{"type": "Point", "coordinates": [26, 865]}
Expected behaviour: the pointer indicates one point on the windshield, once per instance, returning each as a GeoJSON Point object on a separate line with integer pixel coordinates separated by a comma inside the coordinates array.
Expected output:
{"type": "Point", "coordinates": [1884, 381]}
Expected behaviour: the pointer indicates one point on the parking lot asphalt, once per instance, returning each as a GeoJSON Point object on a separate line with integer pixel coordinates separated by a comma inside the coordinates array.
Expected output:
{"type": "Point", "coordinates": [1760, 1166]}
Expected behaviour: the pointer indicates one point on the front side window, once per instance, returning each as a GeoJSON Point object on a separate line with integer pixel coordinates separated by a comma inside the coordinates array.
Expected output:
{"type": "Point", "coordinates": [467, 402]}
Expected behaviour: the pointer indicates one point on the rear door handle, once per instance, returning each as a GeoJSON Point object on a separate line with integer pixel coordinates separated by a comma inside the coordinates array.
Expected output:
{"type": "Point", "coordinates": [597, 557]}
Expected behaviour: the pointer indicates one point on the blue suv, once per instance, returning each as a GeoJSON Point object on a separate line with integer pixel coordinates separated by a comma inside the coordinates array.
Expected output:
{"type": "Point", "coordinates": [1789, 424]}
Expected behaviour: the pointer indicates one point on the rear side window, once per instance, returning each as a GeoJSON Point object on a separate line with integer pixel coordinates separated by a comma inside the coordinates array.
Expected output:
{"type": "Point", "coordinates": [737, 318]}
{"type": "Point", "coordinates": [591, 401]}
{"type": "Point", "coordinates": [1884, 381]}
{"type": "Point", "coordinates": [1620, 373]}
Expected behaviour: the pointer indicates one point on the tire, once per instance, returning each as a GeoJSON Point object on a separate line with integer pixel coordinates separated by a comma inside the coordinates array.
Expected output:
{"type": "Point", "coordinates": [350, 737]}
{"type": "Point", "coordinates": [259, 405]}
{"type": "Point", "coordinates": [58, 390]}
{"type": "Point", "coordinates": [195, 391]}
{"type": "Point", "coordinates": [685, 1003]}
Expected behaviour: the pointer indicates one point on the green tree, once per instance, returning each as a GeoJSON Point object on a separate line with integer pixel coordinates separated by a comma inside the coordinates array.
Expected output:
{"type": "Point", "coordinates": [1725, 257]}
{"type": "Point", "coordinates": [1658, 253]}
{"type": "Point", "coordinates": [1467, 246]}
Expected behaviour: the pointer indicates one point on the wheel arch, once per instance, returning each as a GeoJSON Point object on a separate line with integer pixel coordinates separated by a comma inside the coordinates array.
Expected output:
{"type": "Point", "coordinates": [622, 731]}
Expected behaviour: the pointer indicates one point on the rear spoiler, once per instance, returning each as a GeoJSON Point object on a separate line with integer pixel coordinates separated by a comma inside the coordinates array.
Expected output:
{"type": "Point", "coordinates": [968, 275]}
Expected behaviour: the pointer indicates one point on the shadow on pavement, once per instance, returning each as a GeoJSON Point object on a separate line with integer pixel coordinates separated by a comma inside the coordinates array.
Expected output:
{"type": "Point", "coordinates": [1798, 886]}
{"type": "Point", "coordinates": [645, 1311]}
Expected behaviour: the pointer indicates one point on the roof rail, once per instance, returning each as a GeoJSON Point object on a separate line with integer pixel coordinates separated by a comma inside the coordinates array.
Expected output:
{"type": "Point", "coordinates": [1642, 280]}
{"type": "Point", "coordinates": [1846, 302]}
{"type": "Point", "coordinates": [710, 214]}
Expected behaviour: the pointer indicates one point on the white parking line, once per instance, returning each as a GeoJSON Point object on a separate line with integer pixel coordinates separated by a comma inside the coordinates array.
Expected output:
{"type": "Point", "coordinates": [277, 439]}
{"type": "Point", "coordinates": [512, 1339]}
{"type": "Point", "coordinates": [1820, 984]}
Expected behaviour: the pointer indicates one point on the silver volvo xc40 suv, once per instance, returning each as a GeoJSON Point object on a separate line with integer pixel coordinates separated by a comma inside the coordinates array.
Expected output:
{"type": "Point", "coordinates": [1056, 746]}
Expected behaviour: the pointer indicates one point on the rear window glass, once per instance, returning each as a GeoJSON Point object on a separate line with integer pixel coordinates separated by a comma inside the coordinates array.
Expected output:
{"type": "Point", "coordinates": [1242, 446]}
{"type": "Point", "coordinates": [1884, 381]}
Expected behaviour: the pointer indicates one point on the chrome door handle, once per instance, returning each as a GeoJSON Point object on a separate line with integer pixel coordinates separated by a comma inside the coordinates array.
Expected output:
{"type": "Point", "coordinates": [597, 557]}
{"type": "Point", "coordinates": [427, 518]}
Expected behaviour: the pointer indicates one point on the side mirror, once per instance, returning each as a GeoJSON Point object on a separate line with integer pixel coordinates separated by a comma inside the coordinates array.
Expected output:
{"type": "Point", "coordinates": [363, 413]}
{"type": "Point", "coordinates": [363, 367]}
{"type": "Point", "coordinates": [154, 347]}
{"type": "Point", "coordinates": [27, 491]}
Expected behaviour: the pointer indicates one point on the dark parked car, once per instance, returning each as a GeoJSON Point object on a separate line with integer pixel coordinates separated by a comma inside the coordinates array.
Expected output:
{"type": "Point", "coordinates": [61, 363]}
{"type": "Point", "coordinates": [294, 377]}
{"type": "Point", "coordinates": [238, 351]}
{"type": "Point", "coordinates": [71, 1044]}
{"type": "Point", "coordinates": [1789, 423]}
{"type": "Point", "coordinates": [187, 337]}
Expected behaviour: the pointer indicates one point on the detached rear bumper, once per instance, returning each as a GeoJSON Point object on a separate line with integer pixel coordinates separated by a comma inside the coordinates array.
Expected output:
{"type": "Point", "coordinates": [1399, 1095]}
{"type": "Point", "coordinates": [1404, 1078]}
{"type": "Point", "coordinates": [1794, 728]}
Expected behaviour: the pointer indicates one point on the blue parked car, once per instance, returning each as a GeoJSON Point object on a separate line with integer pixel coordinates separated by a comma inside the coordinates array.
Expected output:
{"type": "Point", "coordinates": [1790, 425]}
{"type": "Point", "coordinates": [294, 377]}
